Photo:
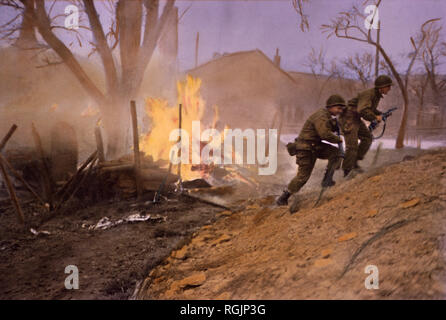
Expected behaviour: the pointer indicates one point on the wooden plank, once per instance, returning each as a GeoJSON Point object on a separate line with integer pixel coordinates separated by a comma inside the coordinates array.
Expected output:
{"type": "Point", "coordinates": [19, 177]}
{"type": "Point", "coordinates": [8, 136]}
{"type": "Point", "coordinates": [12, 194]}
{"type": "Point", "coordinates": [99, 144]}
{"type": "Point", "coordinates": [65, 187]}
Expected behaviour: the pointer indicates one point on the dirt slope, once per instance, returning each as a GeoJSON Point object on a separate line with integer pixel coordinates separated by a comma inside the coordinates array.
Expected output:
{"type": "Point", "coordinates": [391, 217]}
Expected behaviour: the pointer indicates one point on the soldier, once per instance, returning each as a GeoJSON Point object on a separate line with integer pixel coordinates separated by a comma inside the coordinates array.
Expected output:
{"type": "Point", "coordinates": [353, 128]}
{"type": "Point", "coordinates": [309, 146]}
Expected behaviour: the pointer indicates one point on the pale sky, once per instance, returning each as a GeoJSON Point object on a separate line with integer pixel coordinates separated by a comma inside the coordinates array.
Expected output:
{"type": "Point", "coordinates": [237, 25]}
{"type": "Point", "coordinates": [228, 26]}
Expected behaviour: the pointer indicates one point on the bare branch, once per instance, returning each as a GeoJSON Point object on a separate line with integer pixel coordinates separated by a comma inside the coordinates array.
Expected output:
{"type": "Point", "coordinates": [298, 6]}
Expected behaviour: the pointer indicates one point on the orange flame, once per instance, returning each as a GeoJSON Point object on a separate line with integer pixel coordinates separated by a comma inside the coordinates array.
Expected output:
{"type": "Point", "coordinates": [165, 118]}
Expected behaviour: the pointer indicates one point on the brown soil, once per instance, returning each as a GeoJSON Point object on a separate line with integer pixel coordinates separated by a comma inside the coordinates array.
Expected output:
{"type": "Point", "coordinates": [392, 217]}
{"type": "Point", "coordinates": [111, 262]}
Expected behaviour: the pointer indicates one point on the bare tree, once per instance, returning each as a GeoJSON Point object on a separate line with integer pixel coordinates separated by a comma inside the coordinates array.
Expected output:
{"type": "Point", "coordinates": [360, 66]}
{"type": "Point", "coordinates": [327, 74]}
{"type": "Point", "coordinates": [348, 25]}
{"type": "Point", "coordinates": [431, 59]}
{"type": "Point", "coordinates": [135, 29]}
{"type": "Point", "coordinates": [19, 29]}
{"type": "Point", "coordinates": [299, 7]}
{"type": "Point", "coordinates": [418, 88]}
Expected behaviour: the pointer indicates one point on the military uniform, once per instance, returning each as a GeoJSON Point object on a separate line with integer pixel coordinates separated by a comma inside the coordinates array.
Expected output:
{"type": "Point", "coordinates": [319, 126]}
{"type": "Point", "coordinates": [308, 147]}
{"type": "Point", "coordinates": [353, 128]}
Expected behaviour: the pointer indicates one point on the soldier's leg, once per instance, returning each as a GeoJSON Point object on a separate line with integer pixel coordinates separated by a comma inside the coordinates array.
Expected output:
{"type": "Point", "coordinates": [327, 151]}
{"type": "Point", "coordinates": [305, 160]}
{"type": "Point", "coordinates": [365, 136]}
{"type": "Point", "coordinates": [351, 148]}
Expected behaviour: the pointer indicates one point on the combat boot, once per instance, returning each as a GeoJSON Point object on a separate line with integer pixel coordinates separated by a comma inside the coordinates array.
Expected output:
{"type": "Point", "coordinates": [283, 199]}
{"type": "Point", "coordinates": [327, 181]}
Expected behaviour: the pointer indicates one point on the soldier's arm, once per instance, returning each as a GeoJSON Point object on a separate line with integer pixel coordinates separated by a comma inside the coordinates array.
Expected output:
{"type": "Point", "coordinates": [365, 107]}
{"type": "Point", "coordinates": [324, 129]}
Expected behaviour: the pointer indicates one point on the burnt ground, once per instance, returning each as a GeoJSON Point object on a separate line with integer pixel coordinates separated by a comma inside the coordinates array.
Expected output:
{"type": "Point", "coordinates": [110, 262]}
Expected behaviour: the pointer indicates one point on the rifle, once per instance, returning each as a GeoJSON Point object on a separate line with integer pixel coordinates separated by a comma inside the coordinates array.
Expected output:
{"type": "Point", "coordinates": [328, 177]}
{"type": "Point", "coordinates": [374, 124]}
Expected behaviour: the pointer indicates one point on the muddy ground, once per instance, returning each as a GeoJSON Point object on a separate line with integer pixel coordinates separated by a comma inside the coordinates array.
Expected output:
{"type": "Point", "coordinates": [110, 262]}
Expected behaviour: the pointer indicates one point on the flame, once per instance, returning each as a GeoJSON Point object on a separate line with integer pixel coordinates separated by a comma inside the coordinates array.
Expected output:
{"type": "Point", "coordinates": [165, 118]}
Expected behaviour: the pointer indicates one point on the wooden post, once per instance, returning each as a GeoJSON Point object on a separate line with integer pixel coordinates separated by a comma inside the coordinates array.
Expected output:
{"type": "Point", "coordinates": [99, 144]}
{"type": "Point", "coordinates": [63, 192]}
{"type": "Point", "coordinates": [12, 194]}
{"type": "Point", "coordinates": [19, 177]}
{"type": "Point", "coordinates": [197, 42]}
{"type": "Point", "coordinates": [136, 149]}
{"type": "Point", "coordinates": [45, 167]}
{"type": "Point", "coordinates": [8, 136]}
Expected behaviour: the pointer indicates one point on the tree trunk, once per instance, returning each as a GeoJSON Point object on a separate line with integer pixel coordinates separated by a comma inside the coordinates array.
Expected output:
{"type": "Point", "coordinates": [27, 37]}
{"type": "Point", "coordinates": [116, 120]}
{"type": "Point", "coordinates": [402, 130]}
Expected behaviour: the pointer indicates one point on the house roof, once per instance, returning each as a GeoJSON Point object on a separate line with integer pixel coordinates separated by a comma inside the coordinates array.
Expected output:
{"type": "Point", "coordinates": [226, 58]}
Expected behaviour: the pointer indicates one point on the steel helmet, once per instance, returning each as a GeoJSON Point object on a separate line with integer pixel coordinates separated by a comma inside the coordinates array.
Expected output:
{"type": "Point", "coordinates": [335, 100]}
{"type": "Point", "coordinates": [383, 81]}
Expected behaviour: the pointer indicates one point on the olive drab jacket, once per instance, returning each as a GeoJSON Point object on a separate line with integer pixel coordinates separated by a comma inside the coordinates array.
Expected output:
{"type": "Point", "coordinates": [367, 103]}
{"type": "Point", "coordinates": [319, 126]}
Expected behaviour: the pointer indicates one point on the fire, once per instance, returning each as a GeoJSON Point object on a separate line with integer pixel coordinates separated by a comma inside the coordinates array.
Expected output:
{"type": "Point", "coordinates": [165, 118]}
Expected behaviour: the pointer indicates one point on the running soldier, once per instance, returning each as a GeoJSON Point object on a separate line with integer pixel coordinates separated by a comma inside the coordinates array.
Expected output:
{"type": "Point", "coordinates": [309, 147]}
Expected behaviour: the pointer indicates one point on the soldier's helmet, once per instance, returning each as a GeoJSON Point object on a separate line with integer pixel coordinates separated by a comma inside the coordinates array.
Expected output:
{"type": "Point", "coordinates": [335, 100]}
{"type": "Point", "coordinates": [383, 81]}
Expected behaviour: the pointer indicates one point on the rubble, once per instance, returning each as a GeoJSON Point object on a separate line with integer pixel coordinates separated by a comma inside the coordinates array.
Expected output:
{"type": "Point", "coordinates": [105, 223]}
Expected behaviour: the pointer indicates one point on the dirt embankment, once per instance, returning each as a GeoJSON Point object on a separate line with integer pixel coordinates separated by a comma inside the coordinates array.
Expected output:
{"type": "Point", "coordinates": [391, 217]}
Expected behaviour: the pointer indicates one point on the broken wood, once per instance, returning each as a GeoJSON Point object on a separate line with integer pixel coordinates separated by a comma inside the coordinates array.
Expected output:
{"type": "Point", "coordinates": [99, 144]}
{"type": "Point", "coordinates": [137, 159]}
{"type": "Point", "coordinates": [20, 178]}
{"type": "Point", "coordinates": [62, 192]}
{"type": "Point", "coordinates": [45, 167]}
{"type": "Point", "coordinates": [8, 136]}
{"type": "Point", "coordinates": [12, 194]}
{"type": "Point", "coordinates": [206, 201]}
{"type": "Point", "coordinates": [122, 167]}
{"type": "Point", "coordinates": [80, 183]}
